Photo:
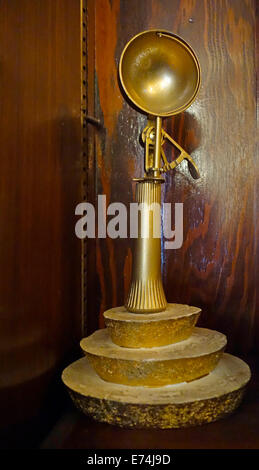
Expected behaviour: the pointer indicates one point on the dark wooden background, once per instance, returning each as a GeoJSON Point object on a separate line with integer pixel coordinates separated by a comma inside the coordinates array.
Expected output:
{"type": "Point", "coordinates": [40, 184]}
{"type": "Point", "coordinates": [217, 266]}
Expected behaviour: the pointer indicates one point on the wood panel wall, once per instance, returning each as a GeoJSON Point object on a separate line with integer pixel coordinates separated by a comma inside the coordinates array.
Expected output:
{"type": "Point", "coordinates": [40, 184]}
{"type": "Point", "coordinates": [217, 266]}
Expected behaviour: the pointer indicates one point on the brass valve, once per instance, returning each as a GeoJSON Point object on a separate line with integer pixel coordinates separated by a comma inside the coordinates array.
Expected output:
{"type": "Point", "coordinates": [149, 139]}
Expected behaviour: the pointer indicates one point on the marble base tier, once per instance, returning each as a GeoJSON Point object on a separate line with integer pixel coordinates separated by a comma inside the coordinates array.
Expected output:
{"type": "Point", "coordinates": [154, 367]}
{"type": "Point", "coordinates": [186, 404]}
{"type": "Point", "coordinates": [132, 330]}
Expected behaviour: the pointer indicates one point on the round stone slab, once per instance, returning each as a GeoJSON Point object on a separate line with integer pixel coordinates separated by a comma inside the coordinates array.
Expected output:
{"type": "Point", "coordinates": [174, 406]}
{"type": "Point", "coordinates": [132, 330]}
{"type": "Point", "coordinates": [154, 367]}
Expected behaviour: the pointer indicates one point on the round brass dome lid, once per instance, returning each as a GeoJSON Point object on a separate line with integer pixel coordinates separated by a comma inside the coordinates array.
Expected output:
{"type": "Point", "coordinates": [159, 72]}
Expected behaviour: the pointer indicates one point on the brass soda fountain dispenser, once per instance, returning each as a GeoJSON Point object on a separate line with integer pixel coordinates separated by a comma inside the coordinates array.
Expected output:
{"type": "Point", "coordinates": [151, 367]}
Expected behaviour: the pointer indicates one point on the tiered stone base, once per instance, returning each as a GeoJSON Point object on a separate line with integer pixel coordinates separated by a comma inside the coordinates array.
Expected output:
{"type": "Point", "coordinates": [172, 406]}
{"type": "Point", "coordinates": [156, 371]}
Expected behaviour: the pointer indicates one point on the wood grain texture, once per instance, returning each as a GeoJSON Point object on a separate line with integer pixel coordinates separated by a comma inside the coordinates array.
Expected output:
{"type": "Point", "coordinates": [217, 266]}
{"type": "Point", "coordinates": [40, 172]}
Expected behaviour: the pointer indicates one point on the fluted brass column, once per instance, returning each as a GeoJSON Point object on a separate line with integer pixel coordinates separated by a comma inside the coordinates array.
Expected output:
{"type": "Point", "coordinates": [146, 293]}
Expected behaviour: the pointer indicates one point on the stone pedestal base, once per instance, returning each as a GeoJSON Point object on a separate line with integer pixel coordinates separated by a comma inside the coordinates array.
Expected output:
{"type": "Point", "coordinates": [177, 375]}
{"type": "Point", "coordinates": [173, 406]}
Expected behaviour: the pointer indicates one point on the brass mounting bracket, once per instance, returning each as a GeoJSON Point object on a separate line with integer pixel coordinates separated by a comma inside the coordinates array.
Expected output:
{"type": "Point", "coordinates": [149, 139]}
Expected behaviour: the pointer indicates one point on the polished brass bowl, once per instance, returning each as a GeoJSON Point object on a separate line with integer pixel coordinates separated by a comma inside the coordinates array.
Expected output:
{"type": "Point", "coordinates": [159, 72]}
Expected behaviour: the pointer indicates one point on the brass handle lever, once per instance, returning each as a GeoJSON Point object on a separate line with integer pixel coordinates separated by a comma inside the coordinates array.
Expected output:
{"type": "Point", "coordinates": [150, 138]}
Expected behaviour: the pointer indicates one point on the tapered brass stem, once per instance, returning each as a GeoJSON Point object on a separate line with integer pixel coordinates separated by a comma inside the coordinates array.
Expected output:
{"type": "Point", "coordinates": [158, 146]}
{"type": "Point", "coordinates": [146, 293]}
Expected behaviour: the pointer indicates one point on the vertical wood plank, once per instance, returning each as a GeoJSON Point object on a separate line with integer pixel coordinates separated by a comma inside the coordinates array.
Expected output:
{"type": "Point", "coordinates": [40, 172]}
